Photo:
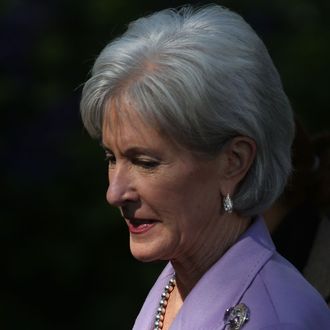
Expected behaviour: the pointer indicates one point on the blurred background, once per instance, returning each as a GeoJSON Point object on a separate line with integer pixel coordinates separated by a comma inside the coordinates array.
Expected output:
{"type": "Point", "coordinates": [66, 261]}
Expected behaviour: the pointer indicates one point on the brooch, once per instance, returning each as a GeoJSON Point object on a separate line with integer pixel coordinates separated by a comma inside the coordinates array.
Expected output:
{"type": "Point", "coordinates": [236, 317]}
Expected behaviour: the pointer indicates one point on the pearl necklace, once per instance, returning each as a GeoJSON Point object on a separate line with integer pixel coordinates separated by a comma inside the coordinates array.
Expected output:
{"type": "Point", "coordinates": [160, 314]}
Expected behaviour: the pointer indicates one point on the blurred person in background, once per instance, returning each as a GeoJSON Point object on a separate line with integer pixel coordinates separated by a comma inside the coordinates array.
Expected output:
{"type": "Point", "coordinates": [197, 131]}
{"type": "Point", "coordinates": [299, 220]}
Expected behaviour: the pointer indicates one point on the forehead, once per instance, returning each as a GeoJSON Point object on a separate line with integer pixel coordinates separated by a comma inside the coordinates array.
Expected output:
{"type": "Point", "coordinates": [123, 125]}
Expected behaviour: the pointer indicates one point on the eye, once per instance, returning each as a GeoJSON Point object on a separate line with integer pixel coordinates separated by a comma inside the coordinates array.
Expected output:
{"type": "Point", "coordinates": [110, 158]}
{"type": "Point", "coordinates": [145, 163]}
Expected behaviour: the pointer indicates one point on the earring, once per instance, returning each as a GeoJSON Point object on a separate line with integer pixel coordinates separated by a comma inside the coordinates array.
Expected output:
{"type": "Point", "coordinates": [228, 204]}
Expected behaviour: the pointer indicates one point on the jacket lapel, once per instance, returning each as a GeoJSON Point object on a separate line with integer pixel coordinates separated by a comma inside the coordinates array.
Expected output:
{"type": "Point", "coordinates": [225, 283]}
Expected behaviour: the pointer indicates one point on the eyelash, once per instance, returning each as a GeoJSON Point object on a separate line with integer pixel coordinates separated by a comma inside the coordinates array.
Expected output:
{"type": "Point", "coordinates": [144, 163]}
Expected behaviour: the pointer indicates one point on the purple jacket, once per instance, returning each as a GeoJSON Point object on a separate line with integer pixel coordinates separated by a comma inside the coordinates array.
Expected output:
{"type": "Point", "coordinates": [250, 272]}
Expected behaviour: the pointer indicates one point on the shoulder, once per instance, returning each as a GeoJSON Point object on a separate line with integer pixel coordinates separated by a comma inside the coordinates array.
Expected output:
{"type": "Point", "coordinates": [280, 298]}
{"type": "Point", "coordinates": [317, 269]}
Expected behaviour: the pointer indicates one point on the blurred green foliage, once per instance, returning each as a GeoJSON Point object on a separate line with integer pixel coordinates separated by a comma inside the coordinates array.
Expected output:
{"type": "Point", "coordinates": [67, 263]}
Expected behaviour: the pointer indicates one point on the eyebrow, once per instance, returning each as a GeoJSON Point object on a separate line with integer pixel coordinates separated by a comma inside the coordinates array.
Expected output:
{"type": "Point", "coordinates": [103, 146]}
{"type": "Point", "coordinates": [131, 151]}
{"type": "Point", "coordinates": [138, 150]}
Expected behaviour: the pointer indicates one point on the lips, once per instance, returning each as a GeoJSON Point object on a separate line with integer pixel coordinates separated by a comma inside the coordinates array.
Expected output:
{"type": "Point", "coordinates": [140, 226]}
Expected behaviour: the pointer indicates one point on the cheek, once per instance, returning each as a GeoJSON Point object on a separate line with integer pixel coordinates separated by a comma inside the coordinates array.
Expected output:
{"type": "Point", "coordinates": [180, 193]}
{"type": "Point", "coordinates": [182, 199]}
{"type": "Point", "coordinates": [167, 197]}
{"type": "Point", "coordinates": [200, 199]}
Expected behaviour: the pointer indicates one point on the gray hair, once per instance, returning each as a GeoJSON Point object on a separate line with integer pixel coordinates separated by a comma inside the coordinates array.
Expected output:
{"type": "Point", "coordinates": [203, 76]}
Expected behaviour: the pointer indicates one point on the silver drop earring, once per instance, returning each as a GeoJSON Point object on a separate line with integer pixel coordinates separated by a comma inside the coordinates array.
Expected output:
{"type": "Point", "coordinates": [228, 204]}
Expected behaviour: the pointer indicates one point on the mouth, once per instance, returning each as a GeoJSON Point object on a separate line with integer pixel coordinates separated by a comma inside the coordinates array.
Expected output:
{"type": "Point", "coordinates": [140, 226]}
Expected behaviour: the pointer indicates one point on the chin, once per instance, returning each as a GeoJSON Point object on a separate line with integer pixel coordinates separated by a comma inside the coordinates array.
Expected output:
{"type": "Point", "coordinates": [145, 253]}
{"type": "Point", "coordinates": [144, 257]}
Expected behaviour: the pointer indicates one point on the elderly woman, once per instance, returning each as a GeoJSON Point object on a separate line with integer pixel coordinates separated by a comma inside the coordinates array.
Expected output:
{"type": "Point", "coordinates": [197, 131]}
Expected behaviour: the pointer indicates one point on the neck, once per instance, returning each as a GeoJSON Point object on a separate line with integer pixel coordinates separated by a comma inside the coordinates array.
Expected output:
{"type": "Point", "coordinates": [190, 268]}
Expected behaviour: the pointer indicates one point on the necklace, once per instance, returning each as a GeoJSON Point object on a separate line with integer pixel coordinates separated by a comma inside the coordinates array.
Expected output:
{"type": "Point", "coordinates": [159, 319]}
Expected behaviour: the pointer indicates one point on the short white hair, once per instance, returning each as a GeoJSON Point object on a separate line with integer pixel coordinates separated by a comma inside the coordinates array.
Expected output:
{"type": "Point", "coordinates": [203, 76]}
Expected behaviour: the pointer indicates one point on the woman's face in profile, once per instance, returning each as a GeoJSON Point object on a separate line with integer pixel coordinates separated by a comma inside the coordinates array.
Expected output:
{"type": "Point", "coordinates": [169, 198]}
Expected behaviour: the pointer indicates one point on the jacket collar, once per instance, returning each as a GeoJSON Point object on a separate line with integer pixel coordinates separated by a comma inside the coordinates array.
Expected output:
{"type": "Point", "coordinates": [220, 288]}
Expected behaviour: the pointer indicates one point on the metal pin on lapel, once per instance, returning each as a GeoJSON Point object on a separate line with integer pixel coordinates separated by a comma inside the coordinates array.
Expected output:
{"type": "Point", "coordinates": [235, 317]}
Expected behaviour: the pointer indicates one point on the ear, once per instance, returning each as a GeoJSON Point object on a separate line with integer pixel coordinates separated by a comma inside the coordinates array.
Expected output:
{"type": "Point", "coordinates": [237, 157]}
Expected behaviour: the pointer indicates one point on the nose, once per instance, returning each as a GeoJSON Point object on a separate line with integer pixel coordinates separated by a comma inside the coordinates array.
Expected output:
{"type": "Point", "coordinates": [121, 188]}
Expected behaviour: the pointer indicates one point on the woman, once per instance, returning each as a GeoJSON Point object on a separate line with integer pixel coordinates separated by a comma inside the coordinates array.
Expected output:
{"type": "Point", "coordinates": [197, 130]}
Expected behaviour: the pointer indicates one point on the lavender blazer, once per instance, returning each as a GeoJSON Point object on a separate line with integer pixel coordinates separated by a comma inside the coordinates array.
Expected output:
{"type": "Point", "coordinates": [250, 272]}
